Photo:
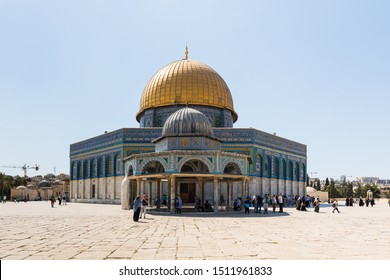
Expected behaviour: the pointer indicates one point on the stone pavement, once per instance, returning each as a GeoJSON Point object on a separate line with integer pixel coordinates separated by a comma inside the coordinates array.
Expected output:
{"type": "Point", "coordinates": [34, 230]}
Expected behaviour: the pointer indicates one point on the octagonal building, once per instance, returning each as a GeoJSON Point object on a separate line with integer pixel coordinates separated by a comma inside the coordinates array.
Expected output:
{"type": "Point", "coordinates": [186, 146]}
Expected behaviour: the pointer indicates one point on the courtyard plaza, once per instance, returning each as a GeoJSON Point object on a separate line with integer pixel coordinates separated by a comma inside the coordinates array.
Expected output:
{"type": "Point", "coordinates": [35, 231]}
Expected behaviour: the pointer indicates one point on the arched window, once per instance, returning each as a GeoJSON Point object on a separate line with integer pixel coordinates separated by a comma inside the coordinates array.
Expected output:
{"type": "Point", "coordinates": [78, 170]}
{"type": "Point", "coordinates": [130, 171]}
{"type": "Point", "coordinates": [290, 170]}
{"type": "Point", "coordinates": [194, 166]}
{"type": "Point", "coordinates": [284, 169]}
{"type": "Point", "coordinates": [100, 168]}
{"type": "Point", "coordinates": [303, 172]}
{"type": "Point", "coordinates": [275, 168]}
{"type": "Point", "coordinates": [267, 167]}
{"type": "Point", "coordinates": [93, 168]}
{"type": "Point", "coordinates": [117, 164]}
{"type": "Point", "coordinates": [109, 167]}
{"type": "Point", "coordinates": [259, 165]}
{"type": "Point", "coordinates": [232, 168]}
{"type": "Point", "coordinates": [74, 170]}
{"type": "Point", "coordinates": [85, 169]}
{"type": "Point", "coordinates": [153, 167]}
{"type": "Point", "coordinates": [296, 171]}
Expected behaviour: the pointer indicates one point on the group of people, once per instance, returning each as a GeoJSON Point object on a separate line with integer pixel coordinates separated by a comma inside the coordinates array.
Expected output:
{"type": "Point", "coordinates": [367, 201]}
{"type": "Point", "coordinates": [301, 203]}
{"type": "Point", "coordinates": [139, 207]}
{"type": "Point", "coordinates": [206, 207]}
{"type": "Point", "coordinates": [257, 201]}
{"type": "Point", "coordinates": [260, 202]}
{"type": "Point", "coordinates": [61, 199]}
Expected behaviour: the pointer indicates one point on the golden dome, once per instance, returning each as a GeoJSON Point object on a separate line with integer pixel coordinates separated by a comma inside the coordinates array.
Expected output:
{"type": "Point", "coordinates": [186, 82]}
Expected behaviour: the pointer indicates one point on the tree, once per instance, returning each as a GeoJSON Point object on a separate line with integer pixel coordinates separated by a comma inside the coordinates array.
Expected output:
{"type": "Point", "coordinates": [349, 190]}
{"type": "Point", "coordinates": [318, 185]}
{"type": "Point", "coordinates": [358, 191]}
{"type": "Point", "coordinates": [5, 184]}
{"type": "Point", "coordinates": [327, 182]}
{"type": "Point", "coordinates": [19, 181]}
{"type": "Point", "coordinates": [332, 189]}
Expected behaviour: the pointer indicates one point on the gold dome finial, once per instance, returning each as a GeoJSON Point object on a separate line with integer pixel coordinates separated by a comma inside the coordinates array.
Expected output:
{"type": "Point", "coordinates": [186, 53]}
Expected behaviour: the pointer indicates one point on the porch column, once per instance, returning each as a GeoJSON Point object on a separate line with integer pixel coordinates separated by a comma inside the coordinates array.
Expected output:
{"type": "Point", "coordinates": [150, 193]}
{"type": "Point", "coordinates": [138, 193]}
{"type": "Point", "coordinates": [216, 194]}
{"type": "Point", "coordinates": [77, 189]}
{"type": "Point", "coordinates": [198, 191]}
{"type": "Point", "coordinates": [242, 189]}
{"type": "Point", "coordinates": [172, 190]}
{"type": "Point", "coordinates": [158, 194]}
{"type": "Point", "coordinates": [114, 187]}
{"type": "Point", "coordinates": [105, 180]}
{"type": "Point", "coordinates": [229, 195]}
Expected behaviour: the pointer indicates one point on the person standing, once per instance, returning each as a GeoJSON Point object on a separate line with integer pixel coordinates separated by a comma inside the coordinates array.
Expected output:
{"type": "Point", "coordinates": [59, 199]}
{"type": "Point", "coordinates": [259, 203]}
{"type": "Point", "coordinates": [136, 208]}
{"type": "Point", "coordinates": [280, 200]}
{"type": "Point", "coordinates": [144, 205]}
{"type": "Point", "coordinates": [247, 203]}
{"type": "Point", "coordinates": [255, 203]}
{"type": "Point", "coordinates": [179, 205]}
{"type": "Point", "coordinates": [64, 199]}
{"type": "Point", "coordinates": [265, 204]}
{"type": "Point", "coordinates": [335, 206]}
{"type": "Point", "coordinates": [274, 201]}
{"type": "Point", "coordinates": [4, 199]}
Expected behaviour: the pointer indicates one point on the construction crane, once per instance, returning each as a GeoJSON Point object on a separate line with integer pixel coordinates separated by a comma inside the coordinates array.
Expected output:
{"type": "Point", "coordinates": [24, 167]}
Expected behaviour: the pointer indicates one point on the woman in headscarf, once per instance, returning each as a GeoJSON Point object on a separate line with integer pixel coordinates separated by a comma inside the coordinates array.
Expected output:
{"type": "Point", "coordinates": [136, 208]}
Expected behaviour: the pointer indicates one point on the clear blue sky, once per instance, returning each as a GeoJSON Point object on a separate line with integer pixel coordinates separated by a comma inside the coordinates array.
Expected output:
{"type": "Point", "coordinates": [316, 72]}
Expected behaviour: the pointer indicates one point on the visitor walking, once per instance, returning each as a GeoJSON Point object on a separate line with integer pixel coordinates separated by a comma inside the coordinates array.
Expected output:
{"type": "Point", "coordinates": [4, 199]}
{"type": "Point", "coordinates": [144, 205]}
{"type": "Point", "coordinates": [317, 202]}
{"type": "Point", "coordinates": [335, 206]}
{"type": "Point", "coordinates": [136, 208]}
{"type": "Point", "coordinates": [52, 200]}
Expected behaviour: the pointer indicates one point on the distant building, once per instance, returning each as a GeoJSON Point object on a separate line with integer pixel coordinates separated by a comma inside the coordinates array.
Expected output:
{"type": "Point", "coordinates": [368, 180]}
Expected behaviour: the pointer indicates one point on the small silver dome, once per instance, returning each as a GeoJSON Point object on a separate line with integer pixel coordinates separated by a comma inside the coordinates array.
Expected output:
{"type": "Point", "coordinates": [187, 121]}
{"type": "Point", "coordinates": [44, 184]}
